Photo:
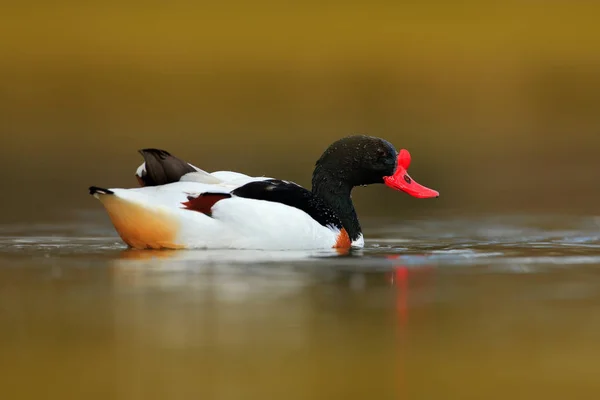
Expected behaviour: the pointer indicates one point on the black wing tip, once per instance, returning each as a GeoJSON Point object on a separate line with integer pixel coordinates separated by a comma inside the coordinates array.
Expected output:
{"type": "Point", "coordinates": [152, 150]}
{"type": "Point", "coordinates": [99, 190]}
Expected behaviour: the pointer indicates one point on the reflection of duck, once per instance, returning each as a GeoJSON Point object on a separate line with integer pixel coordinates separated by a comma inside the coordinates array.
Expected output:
{"type": "Point", "coordinates": [221, 256]}
{"type": "Point", "coordinates": [233, 276]}
{"type": "Point", "coordinates": [403, 278]}
{"type": "Point", "coordinates": [181, 206]}
{"type": "Point", "coordinates": [400, 277]}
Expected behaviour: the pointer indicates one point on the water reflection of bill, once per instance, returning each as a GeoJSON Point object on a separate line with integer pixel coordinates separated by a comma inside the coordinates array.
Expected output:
{"type": "Point", "coordinates": [400, 278]}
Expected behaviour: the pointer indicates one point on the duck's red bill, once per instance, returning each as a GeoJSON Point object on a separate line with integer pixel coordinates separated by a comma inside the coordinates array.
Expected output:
{"type": "Point", "coordinates": [402, 181]}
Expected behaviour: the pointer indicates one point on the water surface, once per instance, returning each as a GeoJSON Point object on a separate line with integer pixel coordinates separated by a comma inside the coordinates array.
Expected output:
{"type": "Point", "coordinates": [447, 308]}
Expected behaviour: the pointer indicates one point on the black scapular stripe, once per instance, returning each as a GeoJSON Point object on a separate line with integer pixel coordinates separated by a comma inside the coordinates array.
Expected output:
{"type": "Point", "coordinates": [292, 195]}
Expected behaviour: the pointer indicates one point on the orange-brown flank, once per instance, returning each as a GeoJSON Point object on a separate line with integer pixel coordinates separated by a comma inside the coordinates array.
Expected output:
{"type": "Point", "coordinates": [343, 240]}
{"type": "Point", "coordinates": [140, 227]}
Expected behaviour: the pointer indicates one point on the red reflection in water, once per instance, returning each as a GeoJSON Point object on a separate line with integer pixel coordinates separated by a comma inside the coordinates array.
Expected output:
{"type": "Point", "coordinates": [400, 279]}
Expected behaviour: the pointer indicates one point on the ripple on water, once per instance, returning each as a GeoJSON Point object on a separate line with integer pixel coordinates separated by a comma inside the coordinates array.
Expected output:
{"type": "Point", "coordinates": [511, 243]}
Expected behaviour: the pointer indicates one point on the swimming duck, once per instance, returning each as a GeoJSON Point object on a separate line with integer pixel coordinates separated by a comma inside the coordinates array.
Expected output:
{"type": "Point", "coordinates": [180, 206]}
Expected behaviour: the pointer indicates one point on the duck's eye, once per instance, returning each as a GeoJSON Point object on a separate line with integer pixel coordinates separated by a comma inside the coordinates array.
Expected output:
{"type": "Point", "coordinates": [382, 157]}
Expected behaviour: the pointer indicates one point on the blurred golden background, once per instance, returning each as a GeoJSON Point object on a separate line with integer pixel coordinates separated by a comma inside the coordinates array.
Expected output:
{"type": "Point", "coordinates": [498, 104]}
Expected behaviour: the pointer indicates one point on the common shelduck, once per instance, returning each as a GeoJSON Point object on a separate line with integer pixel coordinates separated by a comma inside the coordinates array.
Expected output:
{"type": "Point", "coordinates": [180, 206]}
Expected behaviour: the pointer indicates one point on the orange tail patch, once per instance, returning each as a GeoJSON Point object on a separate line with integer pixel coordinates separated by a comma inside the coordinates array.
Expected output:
{"type": "Point", "coordinates": [140, 227]}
